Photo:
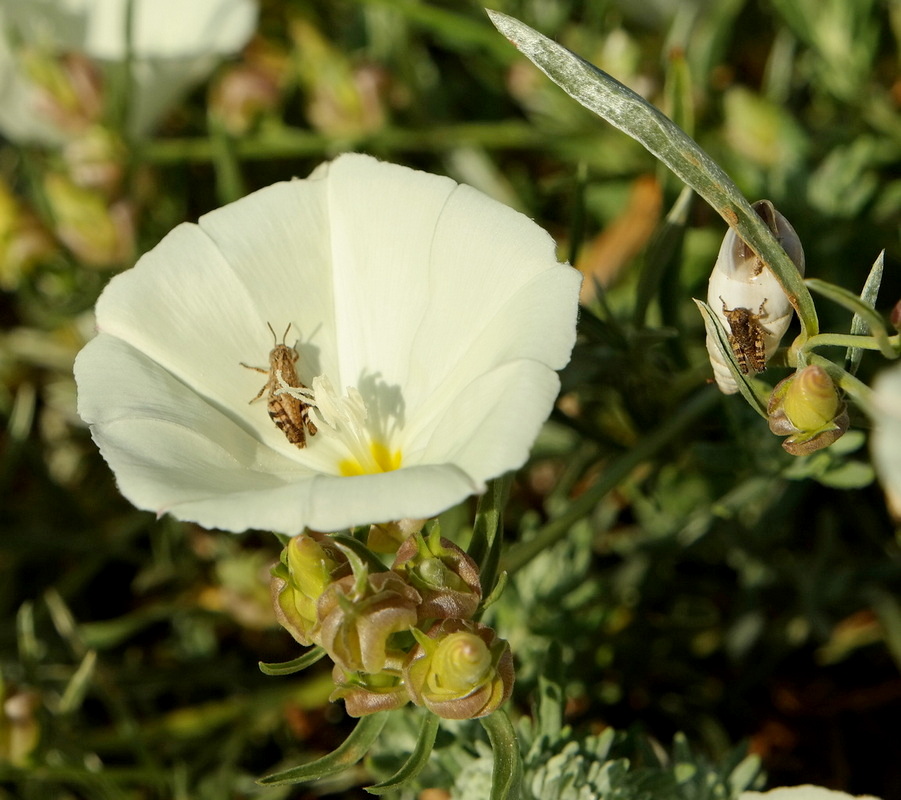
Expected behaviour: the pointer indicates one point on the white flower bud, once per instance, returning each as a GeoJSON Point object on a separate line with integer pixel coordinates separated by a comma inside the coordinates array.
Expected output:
{"type": "Point", "coordinates": [748, 300]}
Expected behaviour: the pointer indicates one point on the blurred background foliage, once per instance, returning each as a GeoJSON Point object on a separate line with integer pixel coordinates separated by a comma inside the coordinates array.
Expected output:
{"type": "Point", "coordinates": [694, 577]}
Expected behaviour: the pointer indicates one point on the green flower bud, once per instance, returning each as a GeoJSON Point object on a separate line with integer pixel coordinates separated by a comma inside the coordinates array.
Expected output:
{"type": "Point", "coordinates": [388, 536]}
{"type": "Point", "coordinates": [309, 563]}
{"type": "Point", "coordinates": [459, 670]}
{"type": "Point", "coordinates": [366, 694]}
{"type": "Point", "coordinates": [359, 614]}
{"type": "Point", "coordinates": [807, 408]}
{"type": "Point", "coordinates": [445, 576]}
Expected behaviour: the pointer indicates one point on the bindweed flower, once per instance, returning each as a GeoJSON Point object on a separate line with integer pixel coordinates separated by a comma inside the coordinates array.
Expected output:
{"type": "Point", "coordinates": [459, 670]}
{"type": "Point", "coordinates": [807, 408]}
{"type": "Point", "coordinates": [308, 564]}
{"type": "Point", "coordinates": [359, 614]}
{"type": "Point", "coordinates": [748, 300]}
{"type": "Point", "coordinates": [886, 436]}
{"type": "Point", "coordinates": [446, 578]}
{"type": "Point", "coordinates": [365, 694]}
{"type": "Point", "coordinates": [428, 320]}
{"type": "Point", "coordinates": [54, 55]}
{"type": "Point", "coordinates": [805, 792]}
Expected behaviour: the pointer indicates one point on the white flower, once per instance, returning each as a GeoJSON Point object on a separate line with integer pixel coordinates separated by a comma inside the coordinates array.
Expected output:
{"type": "Point", "coordinates": [806, 792]}
{"type": "Point", "coordinates": [52, 53]}
{"type": "Point", "coordinates": [428, 319]}
{"type": "Point", "coordinates": [885, 440]}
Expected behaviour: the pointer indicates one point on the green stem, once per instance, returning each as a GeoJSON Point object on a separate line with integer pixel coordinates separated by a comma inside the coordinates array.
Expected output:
{"type": "Point", "coordinates": [520, 554]}
{"type": "Point", "coordinates": [889, 346]}
{"type": "Point", "coordinates": [287, 142]}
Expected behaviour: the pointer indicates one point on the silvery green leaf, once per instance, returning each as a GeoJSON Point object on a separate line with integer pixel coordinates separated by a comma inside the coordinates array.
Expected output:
{"type": "Point", "coordinates": [635, 116]}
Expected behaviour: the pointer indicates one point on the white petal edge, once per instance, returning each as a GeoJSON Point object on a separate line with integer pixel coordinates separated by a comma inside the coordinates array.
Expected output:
{"type": "Point", "coordinates": [885, 440]}
{"type": "Point", "coordinates": [328, 503]}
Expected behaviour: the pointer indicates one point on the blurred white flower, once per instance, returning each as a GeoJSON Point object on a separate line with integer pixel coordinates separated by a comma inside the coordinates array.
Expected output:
{"type": "Point", "coordinates": [54, 54]}
{"type": "Point", "coordinates": [806, 792]}
{"type": "Point", "coordinates": [429, 321]}
{"type": "Point", "coordinates": [885, 441]}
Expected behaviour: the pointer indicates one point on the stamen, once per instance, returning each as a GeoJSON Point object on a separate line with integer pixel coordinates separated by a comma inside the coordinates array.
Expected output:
{"type": "Point", "coordinates": [346, 418]}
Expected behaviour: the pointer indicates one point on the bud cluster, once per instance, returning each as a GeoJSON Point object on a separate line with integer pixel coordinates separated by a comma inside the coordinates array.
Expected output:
{"type": "Point", "coordinates": [395, 634]}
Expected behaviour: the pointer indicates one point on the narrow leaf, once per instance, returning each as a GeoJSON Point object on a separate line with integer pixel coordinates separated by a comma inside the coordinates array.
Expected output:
{"type": "Point", "coordinates": [351, 750]}
{"type": "Point", "coordinates": [484, 548]}
{"type": "Point", "coordinates": [745, 386]}
{"type": "Point", "coordinates": [661, 253]}
{"type": "Point", "coordinates": [859, 326]}
{"type": "Point", "coordinates": [507, 774]}
{"type": "Point", "coordinates": [632, 114]}
{"type": "Point", "coordinates": [295, 665]}
{"type": "Point", "coordinates": [417, 760]}
{"type": "Point", "coordinates": [79, 684]}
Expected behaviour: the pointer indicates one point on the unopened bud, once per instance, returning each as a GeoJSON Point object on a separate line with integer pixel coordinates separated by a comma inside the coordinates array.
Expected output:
{"type": "Point", "coordinates": [99, 234]}
{"type": "Point", "coordinates": [68, 89]}
{"type": "Point", "coordinates": [309, 563]}
{"type": "Point", "coordinates": [388, 536]}
{"type": "Point", "coordinates": [358, 616]}
{"type": "Point", "coordinates": [366, 694]}
{"type": "Point", "coordinates": [895, 316]}
{"type": "Point", "coordinates": [459, 670]}
{"type": "Point", "coordinates": [807, 408]}
{"type": "Point", "coordinates": [445, 576]}
{"type": "Point", "coordinates": [95, 160]}
{"type": "Point", "coordinates": [748, 299]}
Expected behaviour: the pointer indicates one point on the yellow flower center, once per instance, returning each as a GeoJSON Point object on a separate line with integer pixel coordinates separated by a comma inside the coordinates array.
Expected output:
{"type": "Point", "coordinates": [381, 459]}
{"type": "Point", "coordinates": [348, 419]}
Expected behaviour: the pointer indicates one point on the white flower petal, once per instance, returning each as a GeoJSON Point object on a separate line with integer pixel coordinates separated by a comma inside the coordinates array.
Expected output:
{"type": "Point", "coordinates": [204, 27]}
{"type": "Point", "coordinates": [380, 215]}
{"type": "Point", "coordinates": [284, 265]}
{"type": "Point", "coordinates": [489, 427]}
{"type": "Point", "coordinates": [168, 59]}
{"type": "Point", "coordinates": [885, 440]}
{"type": "Point", "coordinates": [329, 503]}
{"type": "Point", "coordinates": [433, 352]}
{"type": "Point", "coordinates": [200, 327]}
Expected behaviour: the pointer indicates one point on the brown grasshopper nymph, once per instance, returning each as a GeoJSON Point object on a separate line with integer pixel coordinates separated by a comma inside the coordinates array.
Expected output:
{"type": "Point", "coordinates": [290, 414]}
{"type": "Point", "coordinates": [747, 337]}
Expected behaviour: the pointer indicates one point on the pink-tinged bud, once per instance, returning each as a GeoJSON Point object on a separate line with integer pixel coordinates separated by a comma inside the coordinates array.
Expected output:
{"type": "Point", "coordinates": [248, 90]}
{"type": "Point", "coordinates": [309, 563]}
{"type": "Point", "coordinates": [808, 409]}
{"type": "Point", "coordinates": [445, 577]}
{"type": "Point", "coordinates": [68, 89]}
{"type": "Point", "coordinates": [100, 235]}
{"type": "Point", "coordinates": [459, 670]}
{"type": "Point", "coordinates": [895, 316]}
{"type": "Point", "coordinates": [365, 694]}
{"type": "Point", "coordinates": [358, 615]}
{"type": "Point", "coordinates": [95, 160]}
